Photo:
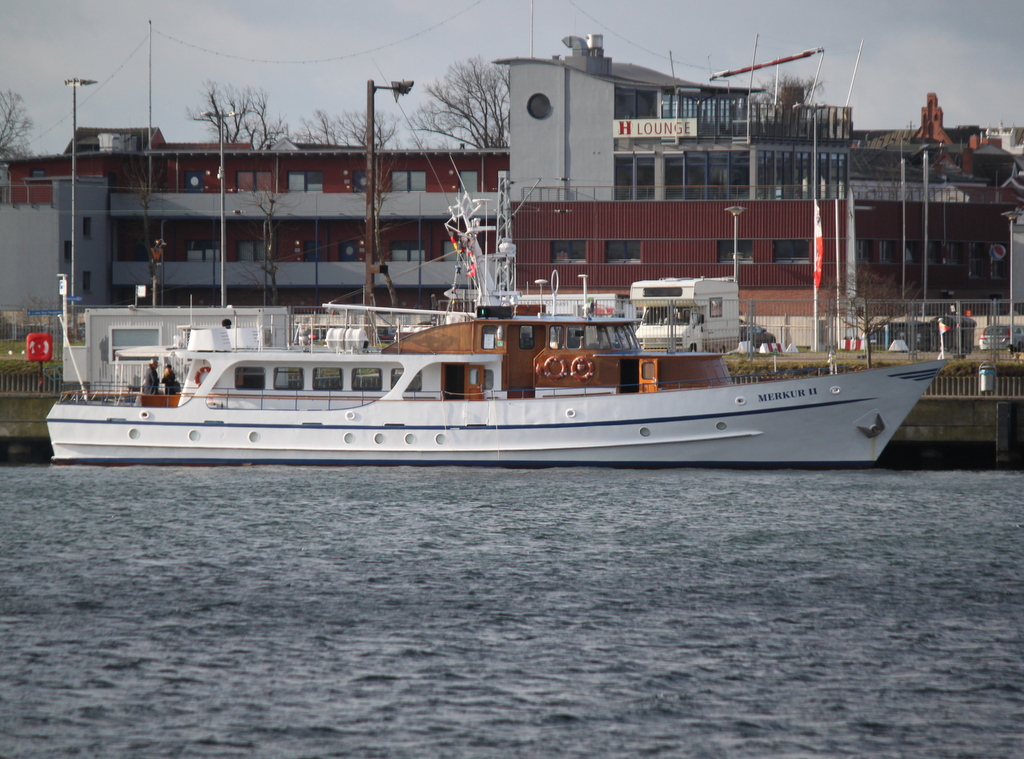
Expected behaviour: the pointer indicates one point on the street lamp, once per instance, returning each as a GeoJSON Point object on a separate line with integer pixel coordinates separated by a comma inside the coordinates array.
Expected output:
{"type": "Point", "coordinates": [403, 87]}
{"type": "Point", "coordinates": [210, 116]}
{"type": "Point", "coordinates": [1012, 216]}
{"type": "Point", "coordinates": [74, 84]}
{"type": "Point", "coordinates": [736, 211]}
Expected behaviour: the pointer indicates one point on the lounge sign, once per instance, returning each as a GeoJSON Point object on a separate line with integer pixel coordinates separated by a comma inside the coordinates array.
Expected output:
{"type": "Point", "coordinates": [654, 128]}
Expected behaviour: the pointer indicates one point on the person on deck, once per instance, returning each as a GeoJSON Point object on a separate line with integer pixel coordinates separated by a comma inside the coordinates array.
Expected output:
{"type": "Point", "coordinates": [151, 383]}
{"type": "Point", "coordinates": [170, 381]}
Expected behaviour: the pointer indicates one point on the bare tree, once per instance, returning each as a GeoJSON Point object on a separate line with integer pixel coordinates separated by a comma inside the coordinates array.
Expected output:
{"type": "Point", "coordinates": [876, 302]}
{"type": "Point", "coordinates": [271, 203]}
{"type": "Point", "coordinates": [139, 180]}
{"type": "Point", "coordinates": [788, 90]}
{"type": "Point", "coordinates": [15, 125]}
{"type": "Point", "coordinates": [252, 121]}
{"type": "Point", "coordinates": [469, 105]}
{"type": "Point", "coordinates": [348, 128]}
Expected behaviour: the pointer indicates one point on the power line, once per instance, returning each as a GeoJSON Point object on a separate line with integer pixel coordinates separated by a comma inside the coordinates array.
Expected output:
{"type": "Point", "coordinates": [319, 60]}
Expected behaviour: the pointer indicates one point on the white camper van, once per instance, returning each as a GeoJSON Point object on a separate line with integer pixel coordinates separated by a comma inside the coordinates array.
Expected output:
{"type": "Point", "coordinates": [688, 314]}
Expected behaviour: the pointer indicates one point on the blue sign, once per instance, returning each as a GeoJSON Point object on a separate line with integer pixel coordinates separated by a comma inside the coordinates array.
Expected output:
{"type": "Point", "coordinates": [45, 312]}
{"type": "Point", "coordinates": [74, 298]}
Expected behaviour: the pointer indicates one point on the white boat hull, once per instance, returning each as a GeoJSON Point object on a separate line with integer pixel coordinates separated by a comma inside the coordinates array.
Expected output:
{"type": "Point", "coordinates": [829, 421]}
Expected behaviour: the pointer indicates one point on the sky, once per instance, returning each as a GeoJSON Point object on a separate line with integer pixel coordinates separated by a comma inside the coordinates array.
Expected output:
{"type": "Point", "coordinates": [318, 54]}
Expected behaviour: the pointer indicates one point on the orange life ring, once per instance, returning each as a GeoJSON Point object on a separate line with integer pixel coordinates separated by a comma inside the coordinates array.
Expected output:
{"type": "Point", "coordinates": [200, 373]}
{"type": "Point", "coordinates": [582, 368]}
{"type": "Point", "coordinates": [555, 368]}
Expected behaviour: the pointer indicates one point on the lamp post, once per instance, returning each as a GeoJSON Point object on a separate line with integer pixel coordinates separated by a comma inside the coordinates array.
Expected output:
{"type": "Point", "coordinates": [1012, 217]}
{"type": "Point", "coordinates": [736, 211]}
{"type": "Point", "coordinates": [210, 115]}
{"type": "Point", "coordinates": [74, 84]}
{"type": "Point", "coordinates": [403, 87]}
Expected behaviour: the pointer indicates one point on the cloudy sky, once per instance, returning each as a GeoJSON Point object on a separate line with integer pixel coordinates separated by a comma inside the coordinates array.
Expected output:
{"type": "Point", "coordinates": [309, 54]}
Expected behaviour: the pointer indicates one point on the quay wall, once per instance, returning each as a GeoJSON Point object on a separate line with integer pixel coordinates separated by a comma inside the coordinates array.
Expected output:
{"type": "Point", "coordinates": [941, 432]}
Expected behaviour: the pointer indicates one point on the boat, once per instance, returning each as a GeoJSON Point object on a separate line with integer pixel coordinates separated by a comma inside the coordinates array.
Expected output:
{"type": "Point", "coordinates": [500, 384]}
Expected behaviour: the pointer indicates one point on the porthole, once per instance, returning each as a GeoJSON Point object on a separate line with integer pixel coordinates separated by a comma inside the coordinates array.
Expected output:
{"type": "Point", "coordinates": [721, 425]}
{"type": "Point", "coordinates": [741, 401]}
{"type": "Point", "coordinates": [538, 106]}
{"type": "Point", "coordinates": [350, 438]}
{"type": "Point", "coordinates": [834, 390]}
{"type": "Point", "coordinates": [350, 415]}
{"type": "Point", "coordinates": [570, 413]}
{"type": "Point", "coordinates": [440, 439]}
{"type": "Point", "coordinates": [410, 439]}
{"type": "Point", "coordinates": [193, 435]}
{"type": "Point", "coordinates": [143, 415]}
{"type": "Point", "coordinates": [133, 434]}
{"type": "Point", "coordinates": [645, 432]}
{"type": "Point", "coordinates": [378, 438]}
{"type": "Point", "coordinates": [254, 437]}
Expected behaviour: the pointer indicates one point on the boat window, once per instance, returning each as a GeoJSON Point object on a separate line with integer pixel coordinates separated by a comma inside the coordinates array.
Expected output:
{"type": "Point", "coordinates": [488, 379]}
{"type": "Point", "coordinates": [367, 378]}
{"type": "Point", "coordinates": [648, 370]}
{"type": "Point", "coordinates": [526, 339]}
{"type": "Point", "coordinates": [574, 337]}
{"type": "Point", "coordinates": [415, 386]}
{"type": "Point", "coordinates": [328, 378]}
{"type": "Point", "coordinates": [615, 338]}
{"type": "Point", "coordinates": [250, 377]}
{"type": "Point", "coordinates": [491, 337]}
{"type": "Point", "coordinates": [596, 338]}
{"type": "Point", "coordinates": [556, 337]}
{"type": "Point", "coordinates": [288, 378]}
{"type": "Point", "coordinates": [628, 337]}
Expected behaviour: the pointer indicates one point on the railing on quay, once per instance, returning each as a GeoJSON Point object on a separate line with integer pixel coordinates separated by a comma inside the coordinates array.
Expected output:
{"type": "Point", "coordinates": [30, 384]}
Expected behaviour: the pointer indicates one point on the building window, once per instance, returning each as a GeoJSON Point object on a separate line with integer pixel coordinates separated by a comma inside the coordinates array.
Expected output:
{"type": "Point", "coordinates": [367, 378]}
{"type": "Point", "coordinates": [953, 255]}
{"type": "Point", "coordinates": [791, 251]}
{"type": "Point", "coordinates": [864, 251]}
{"type": "Point", "coordinates": [201, 250]}
{"type": "Point", "coordinates": [934, 252]}
{"type": "Point", "coordinates": [250, 378]}
{"type": "Point", "coordinates": [997, 266]}
{"type": "Point", "coordinates": [194, 181]}
{"type": "Point", "coordinates": [305, 181]}
{"type": "Point", "coordinates": [251, 250]}
{"type": "Point", "coordinates": [538, 106]}
{"type": "Point", "coordinates": [408, 181]}
{"type": "Point", "coordinates": [87, 227]}
{"type": "Point", "coordinates": [406, 250]}
{"type": "Point", "coordinates": [469, 181]}
{"type": "Point", "coordinates": [622, 251]}
{"type": "Point", "coordinates": [253, 181]}
{"type": "Point", "coordinates": [744, 249]}
{"type": "Point", "coordinates": [37, 173]}
{"type": "Point", "coordinates": [885, 251]}
{"type": "Point", "coordinates": [564, 251]}
{"type": "Point", "coordinates": [67, 250]}
{"type": "Point", "coordinates": [359, 181]}
{"type": "Point", "coordinates": [910, 252]}
{"type": "Point", "coordinates": [634, 178]}
{"type": "Point", "coordinates": [636, 104]}
{"type": "Point", "coordinates": [976, 263]}
{"type": "Point", "coordinates": [87, 281]}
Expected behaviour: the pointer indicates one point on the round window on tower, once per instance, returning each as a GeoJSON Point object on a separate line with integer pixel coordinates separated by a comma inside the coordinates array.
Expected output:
{"type": "Point", "coordinates": [539, 106]}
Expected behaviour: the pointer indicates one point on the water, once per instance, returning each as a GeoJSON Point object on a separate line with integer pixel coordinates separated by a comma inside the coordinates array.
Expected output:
{"type": "Point", "coordinates": [273, 612]}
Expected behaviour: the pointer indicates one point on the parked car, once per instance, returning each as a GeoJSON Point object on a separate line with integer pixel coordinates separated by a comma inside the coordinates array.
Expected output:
{"type": "Point", "coordinates": [756, 335]}
{"type": "Point", "coordinates": [1000, 336]}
